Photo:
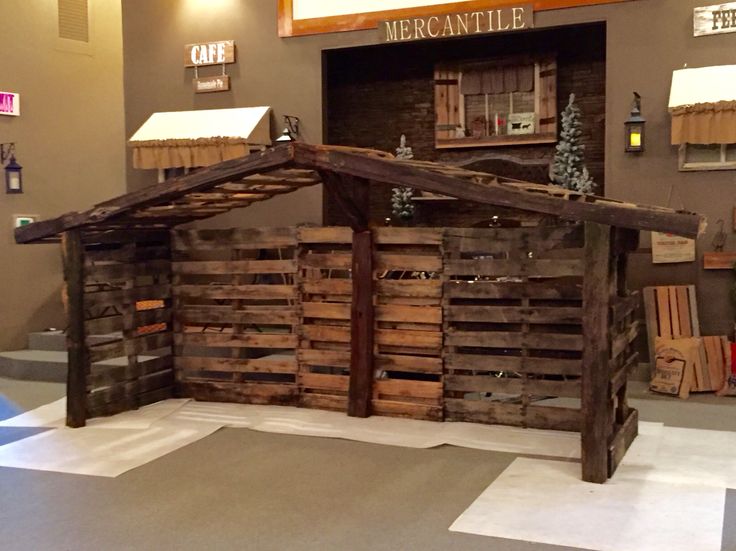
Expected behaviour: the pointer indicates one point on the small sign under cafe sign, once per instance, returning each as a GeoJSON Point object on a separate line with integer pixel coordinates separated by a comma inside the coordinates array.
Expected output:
{"type": "Point", "coordinates": [512, 18]}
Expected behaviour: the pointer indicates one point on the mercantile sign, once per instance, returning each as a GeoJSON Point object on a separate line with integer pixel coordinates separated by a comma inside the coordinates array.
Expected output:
{"type": "Point", "coordinates": [512, 18]}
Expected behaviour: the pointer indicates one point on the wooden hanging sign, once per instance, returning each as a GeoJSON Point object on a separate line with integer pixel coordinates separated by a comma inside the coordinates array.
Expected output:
{"type": "Point", "coordinates": [219, 83]}
{"type": "Point", "coordinates": [209, 53]}
{"type": "Point", "coordinates": [505, 19]}
{"type": "Point", "coordinates": [716, 19]}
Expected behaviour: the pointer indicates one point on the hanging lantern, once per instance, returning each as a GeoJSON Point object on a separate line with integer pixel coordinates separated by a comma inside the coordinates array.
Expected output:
{"type": "Point", "coordinates": [634, 127]}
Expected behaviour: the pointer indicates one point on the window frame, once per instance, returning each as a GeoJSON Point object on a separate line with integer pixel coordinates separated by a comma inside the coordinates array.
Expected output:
{"type": "Point", "coordinates": [545, 90]}
{"type": "Point", "coordinates": [723, 164]}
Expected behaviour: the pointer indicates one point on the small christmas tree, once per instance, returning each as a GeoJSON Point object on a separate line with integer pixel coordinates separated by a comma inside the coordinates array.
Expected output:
{"type": "Point", "coordinates": [401, 204]}
{"type": "Point", "coordinates": [569, 169]}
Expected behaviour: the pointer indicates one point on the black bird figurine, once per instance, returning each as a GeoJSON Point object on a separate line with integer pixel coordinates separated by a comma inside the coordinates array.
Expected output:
{"type": "Point", "coordinates": [719, 240]}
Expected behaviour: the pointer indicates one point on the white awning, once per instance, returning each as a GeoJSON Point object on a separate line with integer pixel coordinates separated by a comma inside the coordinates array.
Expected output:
{"type": "Point", "coordinates": [200, 138]}
{"type": "Point", "coordinates": [703, 105]}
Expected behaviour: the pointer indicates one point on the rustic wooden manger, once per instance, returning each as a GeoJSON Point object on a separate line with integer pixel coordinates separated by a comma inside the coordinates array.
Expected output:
{"type": "Point", "coordinates": [526, 322]}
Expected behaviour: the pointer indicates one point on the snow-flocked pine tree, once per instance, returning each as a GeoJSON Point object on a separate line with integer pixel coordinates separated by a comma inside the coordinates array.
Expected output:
{"type": "Point", "coordinates": [401, 204]}
{"type": "Point", "coordinates": [568, 169]}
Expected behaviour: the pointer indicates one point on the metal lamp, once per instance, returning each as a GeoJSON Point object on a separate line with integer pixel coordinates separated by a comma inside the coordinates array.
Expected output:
{"type": "Point", "coordinates": [634, 127]}
{"type": "Point", "coordinates": [291, 129]}
{"type": "Point", "coordinates": [13, 171]}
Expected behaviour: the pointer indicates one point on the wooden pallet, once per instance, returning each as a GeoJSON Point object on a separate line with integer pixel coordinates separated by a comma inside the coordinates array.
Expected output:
{"type": "Point", "coordinates": [671, 312]}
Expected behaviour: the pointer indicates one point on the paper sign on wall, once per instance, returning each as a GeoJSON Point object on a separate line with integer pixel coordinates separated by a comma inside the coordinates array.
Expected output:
{"type": "Point", "coordinates": [668, 248]}
{"type": "Point", "coordinates": [9, 104]}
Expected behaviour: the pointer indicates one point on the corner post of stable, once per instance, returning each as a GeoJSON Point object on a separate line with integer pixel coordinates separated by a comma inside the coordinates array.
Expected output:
{"type": "Point", "coordinates": [76, 339]}
{"type": "Point", "coordinates": [352, 194]}
{"type": "Point", "coordinates": [596, 402]}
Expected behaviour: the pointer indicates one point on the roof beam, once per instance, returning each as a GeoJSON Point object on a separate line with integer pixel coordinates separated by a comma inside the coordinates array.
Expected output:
{"type": "Point", "coordinates": [588, 208]}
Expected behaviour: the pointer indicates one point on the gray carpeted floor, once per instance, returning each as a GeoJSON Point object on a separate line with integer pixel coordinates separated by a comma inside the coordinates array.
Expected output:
{"type": "Point", "coordinates": [240, 489]}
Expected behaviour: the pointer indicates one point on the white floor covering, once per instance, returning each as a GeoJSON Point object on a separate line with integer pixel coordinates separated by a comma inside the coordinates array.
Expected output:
{"type": "Point", "coordinates": [98, 451]}
{"type": "Point", "coordinates": [668, 494]}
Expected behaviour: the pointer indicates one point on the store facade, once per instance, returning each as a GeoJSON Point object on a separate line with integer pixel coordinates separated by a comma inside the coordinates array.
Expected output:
{"type": "Point", "coordinates": [349, 88]}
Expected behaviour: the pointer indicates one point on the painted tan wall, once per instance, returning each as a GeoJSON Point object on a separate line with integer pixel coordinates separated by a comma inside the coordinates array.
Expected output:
{"type": "Point", "coordinates": [646, 41]}
{"type": "Point", "coordinates": [69, 139]}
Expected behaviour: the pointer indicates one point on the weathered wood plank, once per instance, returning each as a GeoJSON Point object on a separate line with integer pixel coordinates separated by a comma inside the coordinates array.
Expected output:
{"type": "Point", "coordinates": [362, 325]}
{"type": "Point", "coordinates": [77, 351]}
{"type": "Point", "coordinates": [233, 238]}
{"type": "Point", "coordinates": [484, 411]}
{"type": "Point", "coordinates": [408, 236]}
{"type": "Point", "coordinates": [492, 290]}
{"type": "Point", "coordinates": [593, 209]}
{"type": "Point", "coordinates": [395, 388]}
{"type": "Point", "coordinates": [235, 292]}
{"type": "Point", "coordinates": [597, 408]}
{"type": "Point", "coordinates": [520, 267]}
{"type": "Point", "coordinates": [409, 364]}
{"type": "Point", "coordinates": [242, 393]}
{"type": "Point", "coordinates": [409, 288]}
{"type": "Point", "coordinates": [326, 287]}
{"type": "Point", "coordinates": [337, 235]}
{"type": "Point", "coordinates": [419, 263]}
{"type": "Point", "coordinates": [514, 314]}
{"type": "Point", "coordinates": [267, 364]}
{"type": "Point", "coordinates": [509, 339]}
{"type": "Point", "coordinates": [214, 315]}
{"type": "Point", "coordinates": [243, 340]}
{"type": "Point", "coordinates": [215, 267]}
{"type": "Point", "coordinates": [621, 441]}
{"type": "Point", "coordinates": [520, 364]}
{"type": "Point", "coordinates": [553, 418]}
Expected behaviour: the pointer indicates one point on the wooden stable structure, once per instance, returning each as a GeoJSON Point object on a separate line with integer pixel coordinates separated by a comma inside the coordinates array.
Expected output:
{"type": "Point", "coordinates": [526, 322]}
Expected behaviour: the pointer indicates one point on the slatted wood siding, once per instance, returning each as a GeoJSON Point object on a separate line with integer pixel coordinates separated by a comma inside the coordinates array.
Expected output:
{"type": "Point", "coordinates": [326, 291]}
{"type": "Point", "coordinates": [513, 333]}
{"type": "Point", "coordinates": [128, 295]}
{"type": "Point", "coordinates": [236, 314]}
{"type": "Point", "coordinates": [408, 317]}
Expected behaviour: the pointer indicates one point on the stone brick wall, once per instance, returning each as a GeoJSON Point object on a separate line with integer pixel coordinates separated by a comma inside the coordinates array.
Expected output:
{"type": "Point", "coordinates": [374, 94]}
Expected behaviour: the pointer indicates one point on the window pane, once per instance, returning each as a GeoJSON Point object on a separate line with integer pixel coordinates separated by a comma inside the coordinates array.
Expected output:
{"type": "Point", "coordinates": [698, 153]}
{"type": "Point", "coordinates": [523, 102]}
{"type": "Point", "coordinates": [731, 153]}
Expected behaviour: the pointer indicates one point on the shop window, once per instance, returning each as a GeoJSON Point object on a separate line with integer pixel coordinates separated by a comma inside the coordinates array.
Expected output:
{"type": "Point", "coordinates": [707, 157]}
{"type": "Point", "coordinates": [496, 102]}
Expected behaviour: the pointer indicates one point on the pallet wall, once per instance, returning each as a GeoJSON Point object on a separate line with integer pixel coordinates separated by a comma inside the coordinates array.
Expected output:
{"type": "Point", "coordinates": [127, 298]}
{"type": "Point", "coordinates": [236, 304]}
{"type": "Point", "coordinates": [513, 335]}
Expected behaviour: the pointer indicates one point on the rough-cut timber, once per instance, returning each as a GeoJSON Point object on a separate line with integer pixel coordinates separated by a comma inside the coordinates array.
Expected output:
{"type": "Point", "coordinates": [76, 384]}
{"type": "Point", "coordinates": [260, 176]}
{"type": "Point", "coordinates": [470, 324]}
{"type": "Point", "coordinates": [596, 408]}
{"type": "Point", "coordinates": [361, 328]}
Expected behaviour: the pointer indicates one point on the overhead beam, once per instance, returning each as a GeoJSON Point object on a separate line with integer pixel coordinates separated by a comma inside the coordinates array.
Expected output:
{"type": "Point", "coordinates": [161, 193]}
{"type": "Point", "coordinates": [590, 209]}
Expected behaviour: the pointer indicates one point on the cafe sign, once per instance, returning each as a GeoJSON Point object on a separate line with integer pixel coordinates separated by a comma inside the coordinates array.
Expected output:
{"type": "Point", "coordinates": [513, 18]}
{"type": "Point", "coordinates": [209, 53]}
{"type": "Point", "coordinates": [716, 19]}
{"type": "Point", "coordinates": [10, 104]}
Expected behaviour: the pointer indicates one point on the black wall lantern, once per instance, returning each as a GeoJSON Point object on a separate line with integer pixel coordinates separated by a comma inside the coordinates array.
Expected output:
{"type": "Point", "coordinates": [634, 126]}
{"type": "Point", "coordinates": [291, 129]}
{"type": "Point", "coordinates": [13, 171]}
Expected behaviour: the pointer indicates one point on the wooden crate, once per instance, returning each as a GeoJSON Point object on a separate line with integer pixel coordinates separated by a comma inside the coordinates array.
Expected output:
{"type": "Point", "coordinates": [236, 314]}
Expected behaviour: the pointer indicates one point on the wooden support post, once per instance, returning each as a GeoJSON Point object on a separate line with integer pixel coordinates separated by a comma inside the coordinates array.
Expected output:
{"type": "Point", "coordinates": [361, 327]}
{"type": "Point", "coordinates": [596, 402]}
{"type": "Point", "coordinates": [353, 196]}
{"type": "Point", "coordinates": [76, 384]}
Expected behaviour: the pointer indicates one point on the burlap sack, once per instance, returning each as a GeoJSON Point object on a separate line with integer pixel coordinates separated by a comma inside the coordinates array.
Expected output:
{"type": "Point", "coordinates": [674, 366]}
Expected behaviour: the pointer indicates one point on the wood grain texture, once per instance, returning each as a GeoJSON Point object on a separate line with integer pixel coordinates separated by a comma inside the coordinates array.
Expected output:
{"type": "Point", "coordinates": [596, 404]}
{"type": "Point", "coordinates": [78, 355]}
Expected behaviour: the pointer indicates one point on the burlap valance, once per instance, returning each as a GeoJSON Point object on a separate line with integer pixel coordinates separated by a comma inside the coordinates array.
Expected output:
{"type": "Point", "coordinates": [497, 79]}
{"type": "Point", "coordinates": [704, 123]}
{"type": "Point", "coordinates": [187, 153]}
